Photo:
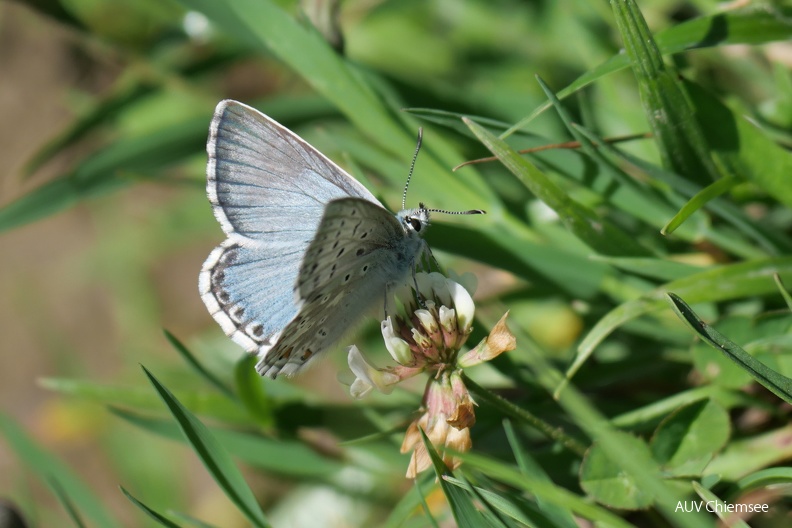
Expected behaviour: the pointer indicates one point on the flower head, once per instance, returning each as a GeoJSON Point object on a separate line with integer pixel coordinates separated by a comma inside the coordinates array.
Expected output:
{"type": "Point", "coordinates": [427, 335]}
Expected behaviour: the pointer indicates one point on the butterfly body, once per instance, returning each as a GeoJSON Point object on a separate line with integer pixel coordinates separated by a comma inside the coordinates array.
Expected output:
{"type": "Point", "coordinates": [309, 249]}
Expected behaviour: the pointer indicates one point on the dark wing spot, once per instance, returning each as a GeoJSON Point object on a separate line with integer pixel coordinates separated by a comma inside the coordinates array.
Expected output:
{"type": "Point", "coordinates": [341, 252]}
{"type": "Point", "coordinates": [306, 355]}
{"type": "Point", "coordinates": [360, 252]}
{"type": "Point", "coordinates": [257, 330]}
{"type": "Point", "coordinates": [364, 235]}
{"type": "Point", "coordinates": [286, 353]}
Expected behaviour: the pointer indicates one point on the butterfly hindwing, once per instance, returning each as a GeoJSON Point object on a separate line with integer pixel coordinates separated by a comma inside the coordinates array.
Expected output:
{"type": "Point", "coordinates": [358, 251]}
{"type": "Point", "coordinates": [268, 189]}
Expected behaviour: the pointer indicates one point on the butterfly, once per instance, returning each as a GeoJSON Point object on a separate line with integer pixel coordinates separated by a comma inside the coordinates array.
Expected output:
{"type": "Point", "coordinates": [308, 250]}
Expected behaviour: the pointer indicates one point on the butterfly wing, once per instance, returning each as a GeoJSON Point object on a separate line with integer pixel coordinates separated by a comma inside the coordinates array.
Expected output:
{"type": "Point", "coordinates": [359, 249]}
{"type": "Point", "coordinates": [268, 189]}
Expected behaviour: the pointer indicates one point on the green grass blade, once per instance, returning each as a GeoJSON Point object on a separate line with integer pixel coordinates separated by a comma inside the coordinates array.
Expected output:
{"type": "Point", "coordinates": [595, 232]}
{"type": "Point", "coordinates": [698, 201]}
{"type": "Point", "coordinates": [47, 467]}
{"type": "Point", "coordinates": [560, 517]}
{"type": "Point", "coordinates": [741, 146]}
{"type": "Point", "coordinates": [666, 106]}
{"type": "Point", "coordinates": [67, 503]}
{"type": "Point", "coordinates": [762, 479]}
{"type": "Point", "coordinates": [635, 463]}
{"type": "Point", "coordinates": [286, 457]}
{"type": "Point", "coordinates": [551, 493]}
{"type": "Point", "coordinates": [776, 383]}
{"type": "Point", "coordinates": [745, 279]}
{"type": "Point", "coordinates": [214, 457]}
{"type": "Point", "coordinates": [161, 519]}
{"type": "Point", "coordinates": [733, 521]}
{"type": "Point", "coordinates": [751, 25]}
{"type": "Point", "coordinates": [196, 365]}
{"type": "Point", "coordinates": [462, 507]}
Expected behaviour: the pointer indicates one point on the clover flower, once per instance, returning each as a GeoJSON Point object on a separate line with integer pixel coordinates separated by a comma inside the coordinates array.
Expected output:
{"type": "Point", "coordinates": [426, 335]}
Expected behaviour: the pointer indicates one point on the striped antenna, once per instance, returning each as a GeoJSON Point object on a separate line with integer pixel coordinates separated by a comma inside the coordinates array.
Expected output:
{"type": "Point", "coordinates": [422, 206]}
{"type": "Point", "coordinates": [412, 167]}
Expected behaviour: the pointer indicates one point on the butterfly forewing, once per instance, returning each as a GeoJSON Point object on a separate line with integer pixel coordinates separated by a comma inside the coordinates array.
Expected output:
{"type": "Point", "coordinates": [358, 251]}
{"type": "Point", "coordinates": [268, 189]}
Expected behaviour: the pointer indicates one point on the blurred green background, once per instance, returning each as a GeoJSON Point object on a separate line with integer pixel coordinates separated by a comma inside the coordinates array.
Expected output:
{"type": "Point", "coordinates": [105, 105]}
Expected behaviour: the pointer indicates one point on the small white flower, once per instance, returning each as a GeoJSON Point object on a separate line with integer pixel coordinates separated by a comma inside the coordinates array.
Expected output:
{"type": "Point", "coordinates": [367, 376]}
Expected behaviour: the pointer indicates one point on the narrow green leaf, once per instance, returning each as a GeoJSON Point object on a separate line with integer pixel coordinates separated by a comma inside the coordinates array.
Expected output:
{"type": "Point", "coordinates": [196, 365]}
{"type": "Point", "coordinates": [494, 502]}
{"type": "Point", "coordinates": [748, 455]}
{"type": "Point", "coordinates": [560, 517]}
{"type": "Point", "coordinates": [666, 106]}
{"type": "Point", "coordinates": [161, 519]}
{"type": "Point", "coordinates": [758, 24]}
{"type": "Point", "coordinates": [596, 232]}
{"type": "Point", "coordinates": [654, 268]}
{"type": "Point", "coordinates": [719, 507]}
{"type": "Point", "coordinates": [698, 201]}
{"type": "Point", "coordinates": [465, 513]}
{"type": "Point", "coordinates": [551, 493]}
{"type": "Point", "coordinates": [784, 292]}
{"type": "Point", "coordinates": [650, 415]}
{"type": "Point", "coordinates": [742, 147]}
{"type": "Point", "coordinates": [286, 457]}
{"type": "Point", "coordinates": [745, 279]}
{"type": "Point", "coordinates": [250, 390]}
{"type": "Point", "coordinates": [763, 479]}
{"type": "Point", "coordinates": [67, 503]}
{"type": "Point", "coordinates": [207, 403]}
{"type": "Point", "coordinates": [214, 457]}
{"type": "Point", "coordinates": [779, 385]}
{"type": "Point", "coordinates": [46, 466]}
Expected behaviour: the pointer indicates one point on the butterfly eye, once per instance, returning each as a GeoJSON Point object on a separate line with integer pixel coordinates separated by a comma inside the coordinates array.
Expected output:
{"type": "Point", "coordinates": [415, 223]}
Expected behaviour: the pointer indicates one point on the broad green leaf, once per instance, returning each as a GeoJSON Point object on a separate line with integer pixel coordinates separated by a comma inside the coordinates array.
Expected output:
{"type": "Point", "coordinates": [608, 484]}
{"type": "Point", "coordinates": [46, 466]}
{"type": "Point", "coordinates": [216, 459]}
{"type": "Point", "coordinates": [687, 440]}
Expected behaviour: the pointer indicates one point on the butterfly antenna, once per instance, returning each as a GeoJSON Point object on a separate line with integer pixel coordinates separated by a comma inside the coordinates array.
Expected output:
{"type": "Point", "coordinates": [412, 167]}
{"type": "Point", "coordinates": [472, 211]}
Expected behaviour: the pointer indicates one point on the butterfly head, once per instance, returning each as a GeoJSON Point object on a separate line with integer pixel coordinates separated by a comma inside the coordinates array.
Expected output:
{"type": "Point", "coordinates": [414, 221]}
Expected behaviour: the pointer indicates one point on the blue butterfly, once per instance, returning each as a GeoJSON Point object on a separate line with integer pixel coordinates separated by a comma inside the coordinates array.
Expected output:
{"type": "Point", "coordinates": [309, 249]}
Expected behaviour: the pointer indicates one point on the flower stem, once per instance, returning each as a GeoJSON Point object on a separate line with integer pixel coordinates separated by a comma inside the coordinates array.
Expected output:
{"type": "Point", "coordinates": [508, 408]}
